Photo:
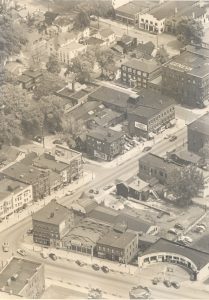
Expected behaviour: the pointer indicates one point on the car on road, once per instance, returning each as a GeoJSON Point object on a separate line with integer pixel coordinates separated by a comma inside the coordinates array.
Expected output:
{"type": "Point", "coordinates": [44, 255]}
{"type": "Point", "coordinates": [5, 247]}
{"type": "Point", "coordinates": [21, 252]}
{"type": "Point", "coordinates": [37, 139]}
{"type": "Point", "coordinates": [96, 192]}
{"type": "Point", "coordinates": [107, 187]}
{"type": "Point", "coordinates": [80, 263]}
{"type": "Point", "coordinates": [146, 149]}
{"type": "Point", "coordinates": [96, 267]}
{"type": "Point", "coordinates": [187, 239]}
{"type": "Point", "coordinates": [173, 138]}
{"type": "Point", "coordinates": [69, 193]}
{"type": "Point", "coordinates": [167, 283]}
{"type": "Point", "coordinates": [58, 142]}
{"type": "Point", "coordinates": [53, 256]}
{"type": "Point", "coordinates": [30, 231]}
{"type": "Point", "coordinates": [91, 191]}
{"type": "Point", "coordinates": [105, 269]}
{"type": "Point", "coordinates": [175, 284]}
{"type": "Point", "coordinates": [172, 231]}
{"type": "Point", "coordinates": [179, 226]}
{"type": "Point", "coordinates": [155, 281]}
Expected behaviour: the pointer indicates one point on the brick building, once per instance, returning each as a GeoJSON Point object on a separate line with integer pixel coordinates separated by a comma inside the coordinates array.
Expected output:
{"type": "Point", "coordinates": [51, 224]}
{"type": "Point", "coordinates": [154, 113]}
{"type": "Point", "coordinates": [104, 143]}
{"type": "Point", "coordinates": [153, 166]}
{"type": "Point", "coordinates": [39, 179]}
{"type": "Point", "coordinates": [198, 134]}
{"type": "Point", "coordinates": [23, 278]}
{"type": "Point", "coordinates": [138, 72]}
{"type": "Point", "coordinates": [186, 77]}
{"type": "Point", "coordinates": [118, 246]}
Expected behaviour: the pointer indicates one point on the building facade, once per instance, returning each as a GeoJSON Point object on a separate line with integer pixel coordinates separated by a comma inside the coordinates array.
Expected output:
{"type": "Point", "coordinates": [69, 51]}
{"type": "Point", "coordinates": [104, 143]}
{"type": "Point", "coordinates": [51, 224]}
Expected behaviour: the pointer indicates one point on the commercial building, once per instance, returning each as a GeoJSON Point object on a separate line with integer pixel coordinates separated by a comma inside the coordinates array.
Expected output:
{"type": "Point", "coordinates": [171, 252]}
{"type": "Point", "coordinates": [137, 73]}
{"type": "Point", "coordinates": [39, 179]}
{"type": "Point", "coordinates": [23, 278]}
{"type": "Point", "coordinates": [14, 195]}
{"type": "Point", "coordinates": [198, 134]}
{"type": "Point", "coordinates": [186, 77]}
{"type": "Point", "coordinates": [70, 50]}
{"type": "Point", "coordinates": [153, 166]}
{"type": "Point", "coordinates": [154, 113]}
{"type": "Point", "coordinates": [126, 43]}
{"type": "Point", "coordinates": [118, 246]}
{"type": "Point", "coordinates": [51, 224]}
{"type": "Point", "coordinates": [104, 143]}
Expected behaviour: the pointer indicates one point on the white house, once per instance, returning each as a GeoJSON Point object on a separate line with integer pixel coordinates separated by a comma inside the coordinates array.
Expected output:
{"type": "Point", "coordinates": [67, 52]}
{"type": "Point", "coordinates": [107, 35]}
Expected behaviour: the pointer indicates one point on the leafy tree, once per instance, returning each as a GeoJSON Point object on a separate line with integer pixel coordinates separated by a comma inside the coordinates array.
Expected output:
{"type": "Point", "coordinates": [81, 21]}
{"type": "Point", "coordinates": [186, 184]}
{"type": "Point", "coordinates": [53, 65]}
{"type": "Point", "coordinates": [189, 30]}
{"type": "Point", "coordinates": [162, 55]}
{"type": "Point", "coordinates": [82, 66]}
{"type": "Point", "coordinates": [105, 58]}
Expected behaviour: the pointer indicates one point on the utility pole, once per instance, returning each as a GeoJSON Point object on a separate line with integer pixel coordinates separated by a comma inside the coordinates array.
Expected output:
{"type": "Point", "coordinates": [42, 133]}
{"type": "Point", "coordinates": [127, 26]}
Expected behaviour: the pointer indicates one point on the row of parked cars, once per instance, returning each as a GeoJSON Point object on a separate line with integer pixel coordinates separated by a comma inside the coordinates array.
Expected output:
{"type": "Point", "coordinates": [167, 283]}
{"type": "Point", "coordinates": [95, 267]}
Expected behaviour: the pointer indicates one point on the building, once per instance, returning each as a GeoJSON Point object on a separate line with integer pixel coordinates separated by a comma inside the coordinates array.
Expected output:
{"type": "Point", "coordinates": [64, 23]}
{"type": "Point", "coordinates": [84, 205]}
{"type": "Point", "coordinates": [118, 246]}
{"type": "Point", "coordinates": [69, 51]}
{"type": "Point", "coordinates": [153, 114]}
{"type": "Point", "coordinates": [23, 278]}
{"type": "Point", "coordinates": [127, 43]}
{"type": "Point", "coordinates": [51, 223]}
{"type": "Point", "coordinates": [30, 78]}
{"type": "Point", "coordinates": [145, 50]}
{"type": "Point", "coordinates": [186, 77]}
{"type": "Point", "coordinates": [106, 35]}
{"type": "Point", "coordinates": [153, 166]}
{"type": "Point", "coordinates": [10, 154]}
{"type": "Point", "coordinates": [198, 134]}
{"type": "Point", "coordinates": [138, 72]}
{"type": "Point", "coordinates": [118, 3]}
{"type": "Point", "coordinates": [14, 195]}
{"type": "Point", "coordinates": [104, 143]}
{"type": "Point", "coordinates": [39, 179]}
{"type": "Point", "coordinates": [129, 12]}
{"type": "Point", "coordinates": [167, 251]}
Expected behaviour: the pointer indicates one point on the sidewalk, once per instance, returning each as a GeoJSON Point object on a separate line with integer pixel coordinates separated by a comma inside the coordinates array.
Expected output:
{"type": "Point", "coordinates": [17, 217]}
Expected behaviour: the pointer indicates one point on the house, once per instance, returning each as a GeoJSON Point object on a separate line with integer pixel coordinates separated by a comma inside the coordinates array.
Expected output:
{"type": "Point", "coordinates": [153, 114]}
{"type": "Point", "coordinates": [23, 278]}
{"type": "Point", "coordinates": [69, 51]}
{"type": "Point", "coordinates": [186, 77]}
{"type": "Point", "coordinates": [84, 204]}
{"type": "Point", "coordinates": [104, 143]}
{"type": "Point", "coordinates": [30, 78]}
{"type": "Point", "coordinates": [194, 260]}
{"type": "Point", "coordinates": [64, 23]}
{"type": "Point", "coordinates": [27, 174]}
{"type": "Point", "coordinates": [144, 50]}
{"type": "Point", "coordinates": [198, 134]}
{"type": "Point", "coordinates": [50, 17]}
{"type": "Point", "coordinates": [127, 42]}
{"type": "Point", "coordinates": [118, 246]}
{"type": "Point", "coordinates": [107, 35]}
{"type": "Point", "coordinates": [153, 166]}
{"type": "Point", "coordinates": [118, 3]}
{"type": "Point", "coordinates": [51, 223]}
{"type": "Point", "coordinates": [137, 73]}
{"type": "Point", "coordinates": [14, 195]}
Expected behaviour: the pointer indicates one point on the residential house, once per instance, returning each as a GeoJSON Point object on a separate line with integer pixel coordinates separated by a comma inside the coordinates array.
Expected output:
{"type": "Point", "coordinates": [51, 223]}
{"type": "Point", "coordinates": [69, 51]}
{"type": "Point", "coordinates": [30, 78]}
{"type": "Point", "coordinates": [107, 35]}
{"type": "Point", "coordinates": [22, 278]}
{"type": "Point", "coordinates": [137, 73]}
{"type": "Point", "coordinates": [64, 23]}
{"type": "Point", "coordinates": [154, 113]}
{"type": "Point", "coordinates": [14, 195]}
{"type": "Point", "coordinates": [104, 143]}
{"type": "Point", "coordinates": [127, 43]}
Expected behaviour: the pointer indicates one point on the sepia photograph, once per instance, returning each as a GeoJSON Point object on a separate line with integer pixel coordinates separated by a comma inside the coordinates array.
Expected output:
{"type": "Point", "coordinates": [104, 149]}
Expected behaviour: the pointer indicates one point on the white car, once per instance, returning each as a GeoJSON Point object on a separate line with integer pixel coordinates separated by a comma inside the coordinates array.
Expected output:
{"type": "Point", "coordinates": [172, 231]}
{"type": "Point", "coordinates": [21, 252]}
{"type": "Point", "coordinates": [187, 239]}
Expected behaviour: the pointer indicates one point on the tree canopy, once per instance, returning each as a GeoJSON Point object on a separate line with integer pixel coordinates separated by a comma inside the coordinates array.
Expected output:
{"type": "Point", "coordinates": [81, 21]}
{"type": "Point", "coordinates": [189, 30]}
{"type": "Point", "coordinates": [53, 66]}
{"type": "Point", "coordinates": [105, 58]}
{"type": "Point", "coordinates": [186, 184]}
{"type": "Point", "coordinates": [83, 66]}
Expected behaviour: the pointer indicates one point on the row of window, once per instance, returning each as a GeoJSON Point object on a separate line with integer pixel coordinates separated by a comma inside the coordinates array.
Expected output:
{"type": "Point", "coordinates": [134, 71]}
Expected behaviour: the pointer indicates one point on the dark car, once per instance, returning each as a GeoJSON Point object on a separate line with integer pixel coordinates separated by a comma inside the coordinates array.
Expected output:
{"type": "Point", "coordinates": [146, 149]}
{"type": "Point", "coordinates": [80, 263]}
{"type": "Point", "coordinates": [155, 281]}
{"type": "Point", "coordinates": [37, 139]}
{"type": "Point", "coordinates": [53, 256]}
{"type": "Point", "coordinates": [175, 284]}
{"type": "Point", "coordinates": [96, 267]}
{"type": "Point", "coordinates": [91, 191]}
{"type": "Point", "coordinates": [105, 269]}
{"type": "Point", "coordinates": [58, 142]}
{"type": "Point", "coordinates": [179, 226]}
{"type": "Point", "coordinates": [167, 283]}
{"type": "Point", "coordinates": [173, 138]}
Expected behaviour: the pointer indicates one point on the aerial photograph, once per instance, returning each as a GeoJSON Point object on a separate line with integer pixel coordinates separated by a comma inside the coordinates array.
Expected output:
{"type": "Point", "coordinates": [104, 149]}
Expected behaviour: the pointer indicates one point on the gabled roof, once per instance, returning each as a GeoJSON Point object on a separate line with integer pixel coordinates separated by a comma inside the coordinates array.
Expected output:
{"type": "Point", "coordinates": [105, 134]}
{"type": "Point", "coordinates": [143, 65]}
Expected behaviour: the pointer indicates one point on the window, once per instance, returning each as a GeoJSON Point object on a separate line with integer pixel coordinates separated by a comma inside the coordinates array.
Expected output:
{"type": "Point", "coordinates": [142, 20]}
{"type": "Point", "coordinates": [151, 22]}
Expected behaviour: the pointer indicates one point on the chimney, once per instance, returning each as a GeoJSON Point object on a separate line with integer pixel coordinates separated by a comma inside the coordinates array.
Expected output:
{"type": "Point", "coordinates": [193, 15]}
{"type": "Point", "coordinates": [176, 10]}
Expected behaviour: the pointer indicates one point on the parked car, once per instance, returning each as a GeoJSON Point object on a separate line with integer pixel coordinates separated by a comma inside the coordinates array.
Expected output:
{"type": "Point", "coordinates": [5, 247]}
{"type": "Point", "coordinates": [44, 255]}
{"type": "Point", "coordinates": [58, 142]}
{"type": "Point", "coordinates": [172, 231]}
{"type": "Point", "coordinates": [53, 256]}
{"type": "Point", "coordinates": [175, 284]}
{"type": "Point", "coordinates": [91, 191]}
{"type": "Point", "coordinates": [37, 139]}
{"type": "Point", "coordinates": [96, 267]}
{"type": "Point", "coordinates": [80, 263]}
{"type": "Point", "coordinates": [30, 231]}
{"type": "Point", "coordinates": [69, 193]}
{"type": "Point", "coordinates": [167, 283]}
{"type": "Point", "coordinates": [187, 239]}
{"type": "Point", "coordinates": [107, 187]}
{"type": "Point", "coordinates": [173, 138]}
{"type": "Point", "coordinates": [21, 252]}
{"type": "Point", "coordinates": [146, 149]}
{"type": "Point", "coordinates": [96, 192]}
{"type": "Point", "coordinates": [179, 226]}
{"type": "Point", "coordinates": [155, 281]}
{"type": "Point", "coordinates": [105, 269]}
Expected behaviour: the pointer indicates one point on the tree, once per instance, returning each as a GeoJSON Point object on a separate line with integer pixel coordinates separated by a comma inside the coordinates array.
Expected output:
{"type": "Point", "coordinates": [81, 21]}
{"type": "Point", "coordinates": [189, 30]}
{"type": "Point", "coordinates": [105, 58]}
{"type": "Point", "coordinates": [162, 55]}
{"type": "Point", "coordinates": [186, 184]}
{"type": "Point", "coordinates": [53, 65]}
{"type": "Point", "coordinates": [83, 66]}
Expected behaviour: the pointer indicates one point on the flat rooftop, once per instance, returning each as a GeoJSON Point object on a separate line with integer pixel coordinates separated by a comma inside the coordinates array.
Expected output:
{"type": "Point", "coordinates": [117, 240]}
{"type": "Point", "coordinates": [155, 161]}
{"type": "Point", "coordinates": [143, 65]}
{"type": "Point", "coordinates": [201, 125]}
{"type": "Point", "coordinates": [199, 258]}
{"type": "Point", "coordinates": [105, 134]}
{"type": "Point", "coordinates": [133, 7]}
{"type": "Point", "coordinates": [22, 269]}
{"type": "Point", "coordinates": [9, 186]}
